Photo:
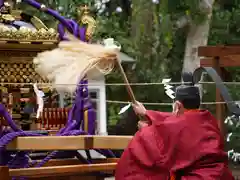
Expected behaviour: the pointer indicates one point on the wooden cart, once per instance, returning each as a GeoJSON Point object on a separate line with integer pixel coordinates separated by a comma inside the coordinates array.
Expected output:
{"type": "Point", "coordinates": [66, 169]}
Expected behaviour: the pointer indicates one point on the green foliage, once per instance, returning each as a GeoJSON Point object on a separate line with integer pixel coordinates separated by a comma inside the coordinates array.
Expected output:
{"type": "Point", "coordinates": [149, 35]}
{"type": "Point", "coordinates": [153, 41]}
{"type": "Point", "coordinates": [67, 9]}
{"type": "Point", "coordinates": [113, 114]}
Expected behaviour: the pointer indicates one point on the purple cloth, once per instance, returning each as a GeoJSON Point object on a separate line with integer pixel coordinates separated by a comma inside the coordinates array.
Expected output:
{"type": "Point", "coordinates": [82, 34]}
{"type": "Point", "coordinates": [69, 24]}
{"type": "Point", "coordinates": [51, 12]}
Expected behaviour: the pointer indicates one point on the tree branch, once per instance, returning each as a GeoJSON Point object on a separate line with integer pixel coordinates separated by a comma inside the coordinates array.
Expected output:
{"type": "Point", "coordinates": [205, 6]}
{"type": "Point", "coordinates": [183, 21]}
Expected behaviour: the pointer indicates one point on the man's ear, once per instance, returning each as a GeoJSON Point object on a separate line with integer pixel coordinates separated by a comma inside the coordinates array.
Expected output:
{"type": "Point", "coordinates": [178, 108]}
{"type": "Point", "coordinates": [180, 105]}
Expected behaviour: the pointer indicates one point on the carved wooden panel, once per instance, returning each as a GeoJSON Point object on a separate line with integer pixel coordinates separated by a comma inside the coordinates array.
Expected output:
{"type": "Point", "coordinates": [17, 54]}
{"type": "Point", "coordinates": [19, 72]}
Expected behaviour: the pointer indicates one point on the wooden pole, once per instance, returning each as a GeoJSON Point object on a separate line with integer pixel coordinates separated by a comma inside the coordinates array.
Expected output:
{"type": "Point", "coordinates": [129, 89]}
{"type": "Point", "coordinates": [125, 79]}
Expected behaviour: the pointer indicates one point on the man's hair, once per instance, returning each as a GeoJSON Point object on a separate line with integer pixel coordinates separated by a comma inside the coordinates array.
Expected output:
{"type": "Point", "coordinates": [187, 93]}
{"type": "Point", "coordinates": [190, 103]}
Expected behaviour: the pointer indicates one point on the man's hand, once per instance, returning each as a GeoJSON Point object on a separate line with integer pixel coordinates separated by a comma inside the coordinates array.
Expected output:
{"type": "Point", "coordinates": [178, 108]}
{"type": "Point", "coordinates": [139, 109]}
{"type": "Point", "coordinates": [142, 124]}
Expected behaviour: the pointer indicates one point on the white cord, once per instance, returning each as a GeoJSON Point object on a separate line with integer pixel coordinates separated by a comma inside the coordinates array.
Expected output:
{"type": "Point", "coordinates": [114, 84]}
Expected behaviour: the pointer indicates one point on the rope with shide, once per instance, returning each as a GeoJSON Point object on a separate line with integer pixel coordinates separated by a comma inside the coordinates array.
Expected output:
{"type": "Point", "coordinates": [114, 84]}
{"type": "Point", "coordinates": [48, 85]}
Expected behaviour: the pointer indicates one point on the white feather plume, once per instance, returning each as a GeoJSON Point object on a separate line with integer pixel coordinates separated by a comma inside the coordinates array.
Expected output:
{"type": "Point", "coordinates": [72, 60]}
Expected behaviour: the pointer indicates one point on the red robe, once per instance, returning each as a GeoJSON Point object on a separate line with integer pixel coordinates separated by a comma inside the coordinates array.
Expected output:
{"type": "Point", "coordinates": [189, 146]}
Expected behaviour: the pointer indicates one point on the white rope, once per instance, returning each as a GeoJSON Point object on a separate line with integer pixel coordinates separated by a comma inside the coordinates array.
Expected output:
{"type": "Point", "coordinates": [153, 104]}
{"type": "Point", "coordinates": [161, 104]}
{"type": "Point", "coordinates": [135, 84]}
{"type": "Point", "coordinates": [114, 84]}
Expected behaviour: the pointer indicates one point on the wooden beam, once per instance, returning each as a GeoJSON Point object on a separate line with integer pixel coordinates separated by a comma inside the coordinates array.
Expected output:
{"type": "Point", "coordinates": [218, 51]}
{"type": "Point", "coordinates": [206, 62]}
{"type": "Point", "coordinates": [27, 47]}
{"type": "Point", "coordinates": [75, 161]}
{"type": "Point", "coordinates": [49, 143]}
{"type": "Point", "coordinates": [62, 170]}
{"type": "Point", "coordinates": [227, 61]}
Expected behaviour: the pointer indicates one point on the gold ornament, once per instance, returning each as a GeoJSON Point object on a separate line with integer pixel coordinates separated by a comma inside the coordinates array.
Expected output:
{"type": "Point", "coordinates": [88, 20]}
{"type": "Point", "coordinates": [25, 33]}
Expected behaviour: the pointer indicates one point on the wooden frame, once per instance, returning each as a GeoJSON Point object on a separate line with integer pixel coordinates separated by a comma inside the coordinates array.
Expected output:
{"type": "Point", "coordinates": [218, 51]}
{"type": "Point", "coordinates": [65, 167]}
{"type": "Point", "coordinates": [48, 143]}
{"type": "Point", "coordinates": [228, 61]}
{"type": "Point", "coordinates": [62, 170]}
{"type": "Point", "coordinates": [219, 57]}
{"type": "Point", "coordinates": [48, 45]}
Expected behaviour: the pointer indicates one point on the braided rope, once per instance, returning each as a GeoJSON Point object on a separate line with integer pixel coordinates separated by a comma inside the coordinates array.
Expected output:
{"type": "Point", "coordinates": [72, 128]}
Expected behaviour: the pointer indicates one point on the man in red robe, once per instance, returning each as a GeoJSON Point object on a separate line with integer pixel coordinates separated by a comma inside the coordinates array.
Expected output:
{"type": "Point", "coordinates": [184, 145]}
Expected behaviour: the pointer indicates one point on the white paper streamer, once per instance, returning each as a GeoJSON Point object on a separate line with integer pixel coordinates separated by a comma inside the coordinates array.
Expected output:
{"type": "Point", "coordinates": [229, 136]}
{"type": "Point", "coordinates": [165, 81]}
{"type": "Point", "coordinates": [232, 121]}
{"type": "Point", "coordinates": [235, 156]}
{"type": "Point", "coordinates": [125, 108]}
{"type": "Point", "coordinates": [168, 88]}
{"type": "Point", "coordinates": [170, 93]}
{"type": "Point", "coordinates": [40, 101]}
